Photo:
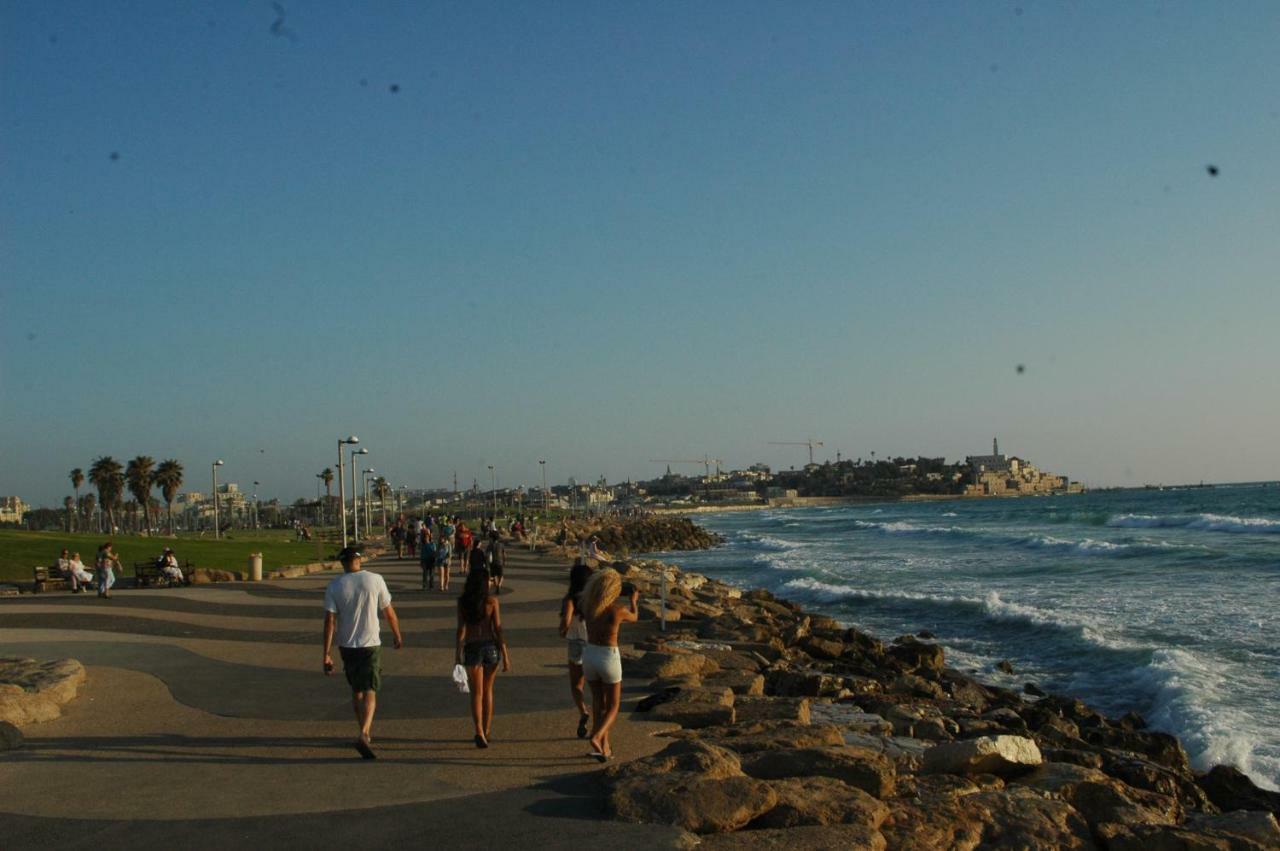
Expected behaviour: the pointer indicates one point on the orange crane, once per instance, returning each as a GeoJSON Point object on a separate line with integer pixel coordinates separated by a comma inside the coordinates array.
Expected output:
{"type": "Point", "coordinates": [809, 443]}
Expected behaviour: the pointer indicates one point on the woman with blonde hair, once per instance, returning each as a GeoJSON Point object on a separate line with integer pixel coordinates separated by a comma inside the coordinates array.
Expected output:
{"type": "Point", "coordinates": [601, 661]}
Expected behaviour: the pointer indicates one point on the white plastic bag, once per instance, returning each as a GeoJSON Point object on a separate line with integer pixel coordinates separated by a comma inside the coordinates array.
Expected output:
{"type": "Point", "coordinates": [460, 679]}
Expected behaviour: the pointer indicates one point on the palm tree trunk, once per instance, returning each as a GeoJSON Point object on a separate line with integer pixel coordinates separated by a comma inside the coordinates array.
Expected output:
{"type": "Point", "coordinates": [170, 502]}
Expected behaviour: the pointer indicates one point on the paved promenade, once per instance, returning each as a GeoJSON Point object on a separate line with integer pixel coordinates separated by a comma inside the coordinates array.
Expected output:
{"type": "Point", "coordinates": [206, 722]}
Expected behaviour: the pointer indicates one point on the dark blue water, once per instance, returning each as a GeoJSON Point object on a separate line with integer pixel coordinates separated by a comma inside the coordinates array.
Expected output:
{"type": "Point", "coordinates": [1165, 602]}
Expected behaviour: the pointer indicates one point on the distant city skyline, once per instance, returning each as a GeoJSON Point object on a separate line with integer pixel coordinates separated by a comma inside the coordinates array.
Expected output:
{"type": "Point", "coordinates": [604, 233]}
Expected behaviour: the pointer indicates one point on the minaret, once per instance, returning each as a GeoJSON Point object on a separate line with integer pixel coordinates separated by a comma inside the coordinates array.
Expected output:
{"type": "Point", "coordinates": [995, 446]}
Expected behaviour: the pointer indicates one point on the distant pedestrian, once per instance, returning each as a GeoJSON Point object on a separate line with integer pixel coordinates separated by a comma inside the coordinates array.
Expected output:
{"type": "Point", "coordinates": [478, 559]}
{"type": "Point", "coordinates": [352, 604]}
{"type": "Point", "coordinates": [106, 563]}
{"type": "Point", "coordinates": [573, 628]}
{"type": "Point", "coordinates": [480, 647]}
{"type": "Point", "coordinates": [497, 557]}
{"type": "Point", "coordinates": [169, 567]}
{"type": "Point", "coordinates": [427, 561]}
{"type": "Point", "coordinates": [397, 538]}
{"type": "Point", "coordinates": [601, 661]}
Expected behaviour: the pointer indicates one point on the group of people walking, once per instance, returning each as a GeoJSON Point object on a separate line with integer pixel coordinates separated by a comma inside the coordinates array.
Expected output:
{"type": "Point", "coordinates": [439, 544]}
{"type": "Point", "coordinates": [592, 611]}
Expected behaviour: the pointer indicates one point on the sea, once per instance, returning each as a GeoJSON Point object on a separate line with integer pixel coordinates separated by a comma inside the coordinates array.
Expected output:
{"type": "Point", "coordinates": [1164, 601]}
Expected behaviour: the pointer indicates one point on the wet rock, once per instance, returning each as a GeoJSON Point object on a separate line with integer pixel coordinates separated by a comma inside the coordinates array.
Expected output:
{"type": "Point", "coordinates": [1257, 826]}
{"type": "Point", "coordinates": [1033, 690]}
{"type": "Point", "coordinates": [867, 770]}
{"type": "Point", "coordinates": [694, 802]}
{"type": "Point", "coordinates": [1161, 748]}
{"type": "Point", "coordinates": [1005, 666]}
{"type": "Point", "coordinates": [1231, 789]}
{"type": "Point", "coordinates": [1003, 756]}
{"type": "Point", "coordinates": [787, 683]}
{"type": "Point", "coordinates": [752, 709]}
{"type": "Point", "coordinates": [1144, 774]}
{"type": "Point", "coordinates": [918, 656]}
{"type": "Point", "coordinates": [916, 686]}
{"type": "Point", "coordinates": [820, 801]}
{"type": "Point", "coordinates": [821, 648]}
{"type": "Point", "coordinates": [1016, 817]}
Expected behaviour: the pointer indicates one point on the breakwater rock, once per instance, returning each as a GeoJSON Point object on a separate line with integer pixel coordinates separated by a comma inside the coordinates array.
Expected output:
{"type": "Point", "coordinates": [637, 534]}
{"type": "Point", "coordinates": [792, 730]}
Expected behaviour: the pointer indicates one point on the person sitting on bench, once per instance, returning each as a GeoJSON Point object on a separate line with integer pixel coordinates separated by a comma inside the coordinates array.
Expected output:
{"type": "Point", "coordinates": [79, 575]}
{"type": "Point", "coordinates": [169, 567]}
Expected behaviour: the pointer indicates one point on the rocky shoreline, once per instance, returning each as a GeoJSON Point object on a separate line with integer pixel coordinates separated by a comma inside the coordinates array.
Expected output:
{"type": "Point", "coordinates": [796, 731]}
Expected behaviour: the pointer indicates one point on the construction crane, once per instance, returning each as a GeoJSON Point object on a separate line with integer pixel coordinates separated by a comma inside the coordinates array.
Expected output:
{"type": "Point", "coordinates": [809, 443]}
{"type": "Point", "coordinates": [706, 461]}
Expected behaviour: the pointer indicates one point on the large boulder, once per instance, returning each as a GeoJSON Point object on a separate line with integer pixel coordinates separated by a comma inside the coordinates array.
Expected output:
{"type": "Point", "coordinates": [864, 769]}
{"type": "Point", "coordinates": [771, 736]}
{"type": "Point", "coordinates": [33, 691]}
{"type": "Point", "coordinates": [686, 756]}
{"type": "Point", "coordinates": [751, 709]}
{"type": "Point", "coordinates": [1102, 799]}
{"type": "Point", "coordinates": [695, 802]}
{"type": "Point", "coordinates": [846, 837]}
{"type": "Point", "coordinates": [10, 737]}
{"type": "Point", "coordinates": [1255, 826]}
{"type": "Point", "coordinates": [820, 800]}
{"type": "Point", "coordinates": [1002, 756]}
{"type": "Point", "coordinates": [1014, 818]}
{"type": "Point", "coordinates": [919, 656]}
{"type": "Point", "coordinates": [1231, 789]}
{"type": "Point", "coordinates": [740, 681]}
{"type": "Point", "coordinates": [661, 665]}
{"type": "Point", "coordinates": [693, 708]}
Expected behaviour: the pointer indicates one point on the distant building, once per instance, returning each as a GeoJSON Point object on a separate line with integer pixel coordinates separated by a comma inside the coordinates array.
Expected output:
{"type": "Point", "coordinates": [12, 508]}
{"type": "Point", "coordinates": [1000, 475]}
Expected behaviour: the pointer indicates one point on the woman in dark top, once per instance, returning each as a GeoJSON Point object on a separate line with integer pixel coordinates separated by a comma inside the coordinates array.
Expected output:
{"type": "Point", "coordinates": [480, 647]}
{"type": "Point", "coordinates": [497, 559]}
{"type": "Point", "coordinates": [573, 628]}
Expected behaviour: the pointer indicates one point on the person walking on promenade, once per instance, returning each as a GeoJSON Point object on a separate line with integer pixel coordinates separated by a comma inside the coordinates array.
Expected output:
{"type": "Point", "coordinates": [411, 536]}
{"type": "Point", "coordinates": [573, 628]}
{"type": "Point", "coordinates": [462, 541]}
{"type": "Point", "coordinates": [105, 563]}
{"type": "Point", "coordinates": [497, 559]}
{"type": "Point", "coordinates": [427, 561]}
{"type": "Point", "coordinates": [601, 661]}
{"type": "Point", "coordinates": [444, 554]}
{"type": "Point", "coordinates": [478, 559]}
{"type": "Point", "coordinates": [352, 603]}
{"type": "Point", "coordinates": [397, 538]}
{"type": "Point", "coordinates": [480, 646]}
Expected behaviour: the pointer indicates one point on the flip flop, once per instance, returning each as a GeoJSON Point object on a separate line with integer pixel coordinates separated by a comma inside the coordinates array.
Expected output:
{"type": "Point", "coordinates": [599, 757]}
{"type": "Point", "coordinates": [582, 725]}
{"type": "Point", "coordinates": [364, 749]}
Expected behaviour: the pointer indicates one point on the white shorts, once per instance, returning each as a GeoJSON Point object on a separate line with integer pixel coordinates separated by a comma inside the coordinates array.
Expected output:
{"type": "Point", "coordinates": [602, 664]}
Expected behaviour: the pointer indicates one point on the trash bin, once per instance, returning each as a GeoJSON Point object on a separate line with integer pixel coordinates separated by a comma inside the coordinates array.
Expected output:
{"type": "Point", "coordinates": [255, 567]}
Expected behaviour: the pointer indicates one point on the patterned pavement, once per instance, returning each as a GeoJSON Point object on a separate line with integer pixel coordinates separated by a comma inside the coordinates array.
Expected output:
{"type": "Point", "coordinates": [206, 722]}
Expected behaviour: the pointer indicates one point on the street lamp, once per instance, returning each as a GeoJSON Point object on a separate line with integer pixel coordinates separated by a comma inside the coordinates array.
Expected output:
{"type": "Point", "coordinates": [364, 485]}
{"type": "Point", "coordinates": [543, 465]}
{"type": "Point", "coordinates": [342, 490]}
{"type": "Point", "coordinates": [355, 495]}
{"type": "Point", "coordinates": [255, 504]}
{"type": "Point", "coordinates": [493, 479]}
{"type": "Point", "coordinates": [213, 468]}
{"type": "Point", "coordinates": [320, 512]}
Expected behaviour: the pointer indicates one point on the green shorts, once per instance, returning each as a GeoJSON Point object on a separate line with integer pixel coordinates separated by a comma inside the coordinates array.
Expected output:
{"type": "Point", "coordinates": [363, 667]}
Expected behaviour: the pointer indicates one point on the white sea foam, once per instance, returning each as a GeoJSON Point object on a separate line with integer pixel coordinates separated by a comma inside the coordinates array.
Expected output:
{"type": "Point", "coordinates": [1204, 522]}
{"type": "Point", "coordinates": [949, 514]}
{"type": "Point", "coordinates": [1088, 546]}
{"type": "Point", "coordinates": [768, 542]}
{"type": "Point", "coordinates": [902, 527]}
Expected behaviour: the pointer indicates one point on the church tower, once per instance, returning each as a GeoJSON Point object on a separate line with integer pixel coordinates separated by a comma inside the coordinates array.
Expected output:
{"type": "Point", "coordinates": [995, 446]}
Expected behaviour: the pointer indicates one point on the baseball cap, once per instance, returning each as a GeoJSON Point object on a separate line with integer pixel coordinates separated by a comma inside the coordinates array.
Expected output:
{"type": "Point", "coordinates": [348, 553]}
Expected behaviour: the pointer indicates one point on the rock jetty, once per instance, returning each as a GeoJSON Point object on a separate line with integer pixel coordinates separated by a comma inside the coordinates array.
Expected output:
{"type": "Point", "coordinates": [622, 536]}
{"type": "Point", "coordinates": [795, 731]}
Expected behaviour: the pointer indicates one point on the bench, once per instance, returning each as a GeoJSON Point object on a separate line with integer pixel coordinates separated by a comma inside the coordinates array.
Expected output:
{"type": "Point", "coordinates": [48, 579]}
{"type": "Point", "coordinates": [147, 574]}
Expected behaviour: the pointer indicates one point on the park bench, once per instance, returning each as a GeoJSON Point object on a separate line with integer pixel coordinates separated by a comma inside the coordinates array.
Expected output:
{"type": "Point", "coordinates": [147, 574]}
{"type": "Point", "coordinates": [48, 579]}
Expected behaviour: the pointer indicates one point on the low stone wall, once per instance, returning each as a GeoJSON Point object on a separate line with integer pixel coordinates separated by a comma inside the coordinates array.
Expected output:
{"type": "Point", "coordinates": [291, 571]}
{"type": "Point", "coordinates": [32, 691]}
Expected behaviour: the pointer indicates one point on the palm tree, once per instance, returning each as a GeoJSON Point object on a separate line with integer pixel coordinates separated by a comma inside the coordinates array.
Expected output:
{"type": "Point", "coordinates": [169, 480]}
{"type": "Point", "coordinates": [77, 479]}
{"type": "Point", "coordinates": [107, 476]}
{"type": "Point", "coordinates": [69, 504]}
{"type": "Point", "coordinates": [87, 505]}
{"type": "Point", "coordinates": [141, 475]}
{"type": "Point", "coordinates": [382, 490]}
{"type": "Point", "coordinates": [326, 476]}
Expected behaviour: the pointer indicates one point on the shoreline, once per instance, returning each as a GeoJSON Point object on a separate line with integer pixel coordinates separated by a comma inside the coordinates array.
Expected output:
{"type": "Point", "coordinates": [797, 713]}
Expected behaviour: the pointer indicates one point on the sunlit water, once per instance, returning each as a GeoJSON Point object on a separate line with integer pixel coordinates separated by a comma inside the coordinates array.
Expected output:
{"type": "Point", "coordinates": [1166, 602]}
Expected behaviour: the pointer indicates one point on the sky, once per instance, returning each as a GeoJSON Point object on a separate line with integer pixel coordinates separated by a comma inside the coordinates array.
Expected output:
{"type": "Point", "coordinates": [602, 233]}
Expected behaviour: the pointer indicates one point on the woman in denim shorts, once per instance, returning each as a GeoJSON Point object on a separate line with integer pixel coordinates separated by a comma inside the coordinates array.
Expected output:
{"type": "Point", "coordinates": [574, 628]}
{"type": "Point", "coordinates": [480, 647]}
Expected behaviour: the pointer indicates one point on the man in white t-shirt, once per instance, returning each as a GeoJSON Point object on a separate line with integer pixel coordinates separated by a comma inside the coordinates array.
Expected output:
{"type": "Point", "coordinates": [352, 603]}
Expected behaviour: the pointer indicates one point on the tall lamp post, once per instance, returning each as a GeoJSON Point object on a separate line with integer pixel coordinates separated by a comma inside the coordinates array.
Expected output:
{"type": "Point", "coordinates": [543, 464]}
{"type": "Point", "coordinates": [214, 470]}
{"type": "Point", "coordinates": [319, 504]}
{"type": "Point", "coordinates": [355, 495]}
{"type": "Point", "coordinates": [342, 490]}
{"type": "Point", "coordinates": [255, 504]}
{"type": "Point", "coordinates": [364, 485]}
{"type": "Point", "coordinates": [493, 487]}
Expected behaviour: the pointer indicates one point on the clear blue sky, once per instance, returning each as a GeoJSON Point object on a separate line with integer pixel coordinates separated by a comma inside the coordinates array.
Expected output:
{"type": "Point", "coordinates": [601, 233]}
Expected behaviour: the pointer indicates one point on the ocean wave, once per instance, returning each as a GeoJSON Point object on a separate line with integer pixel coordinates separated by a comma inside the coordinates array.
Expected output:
{"type": "Point", "coordinates": [903, 527]}
{"type": "Point", "coordinates": [949, 514]}
{"type": "Point", "coordinates": [768, 542]}
{"type": "Point", "coordinates": [1204, 522]}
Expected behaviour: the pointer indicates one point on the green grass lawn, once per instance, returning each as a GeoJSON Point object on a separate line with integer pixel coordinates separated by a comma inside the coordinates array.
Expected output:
{"type": "Point", "coordinates": [20, 551]}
